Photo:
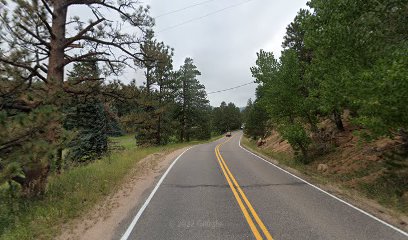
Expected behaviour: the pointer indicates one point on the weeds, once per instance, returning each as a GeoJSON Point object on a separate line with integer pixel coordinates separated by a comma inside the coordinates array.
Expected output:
{"type": "Point", "coordinates": [389, 189]}
{"type": "Point", "coordinates": [71, 194]}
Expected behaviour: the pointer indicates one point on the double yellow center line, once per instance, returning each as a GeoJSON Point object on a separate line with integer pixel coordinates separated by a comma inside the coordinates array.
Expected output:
{"type": "Point", "coordinates": [241, 198]}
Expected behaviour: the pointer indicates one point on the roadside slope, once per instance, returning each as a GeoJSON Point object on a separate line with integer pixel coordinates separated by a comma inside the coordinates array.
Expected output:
{"type": "Point", "coordinates": [104, 218]}
{"type": "Point", "coordinates": [196, 200]}
{"type": "Point", "coordinates": [74, 193]}
{"type": "Point", "coordinates": [327, 172]}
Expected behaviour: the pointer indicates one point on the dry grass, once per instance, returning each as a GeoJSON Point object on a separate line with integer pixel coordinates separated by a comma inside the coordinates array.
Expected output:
{"type": "Point", "coordinates": [352, 165]}
{"type": "Point", "coordinates": [72, 193]}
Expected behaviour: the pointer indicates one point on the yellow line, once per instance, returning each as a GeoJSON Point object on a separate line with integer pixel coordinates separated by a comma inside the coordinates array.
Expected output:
{"type": "Point", "coordinates": [252, 210]}
{"type": "Point", "coordinates": [240, 203]}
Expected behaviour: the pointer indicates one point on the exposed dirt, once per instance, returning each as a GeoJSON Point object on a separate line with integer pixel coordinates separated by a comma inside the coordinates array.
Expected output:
{"type": "Point", "coordinates": [101, 222]}
{"type": "Point", "coordinates": [350, 195]}
{"type": "Point", "coordinates": [345, 165]}
{"type": "Point", "coordinates": [275, 142]}
{"type": "Point", "coordinates": [349, 159]}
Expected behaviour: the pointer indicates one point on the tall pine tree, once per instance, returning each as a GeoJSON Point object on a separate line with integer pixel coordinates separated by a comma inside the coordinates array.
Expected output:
{"type": "Point", "coordinates": [192, 103]}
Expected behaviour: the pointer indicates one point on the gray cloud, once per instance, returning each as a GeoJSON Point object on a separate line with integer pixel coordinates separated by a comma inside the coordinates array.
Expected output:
{"type": "Point", "coordinates": [224, 45]}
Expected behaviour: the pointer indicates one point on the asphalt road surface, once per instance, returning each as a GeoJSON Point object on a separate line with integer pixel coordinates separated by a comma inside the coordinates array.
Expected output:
{"type": "Point", "coordinates": [221, 191]}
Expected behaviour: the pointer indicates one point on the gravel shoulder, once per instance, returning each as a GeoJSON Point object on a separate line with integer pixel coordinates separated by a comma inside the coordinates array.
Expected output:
{"type": "Point", "coordinates": [103, 220]}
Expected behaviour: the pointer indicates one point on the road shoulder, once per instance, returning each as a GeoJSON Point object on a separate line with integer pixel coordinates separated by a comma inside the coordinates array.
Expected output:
{"type": "Point", "coordinates": [352, 197]}
{"type": "Point", "coordinates": [103, 220]}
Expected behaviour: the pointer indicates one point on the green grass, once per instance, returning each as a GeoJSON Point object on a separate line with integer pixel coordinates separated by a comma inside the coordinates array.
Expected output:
{"type": "Point", "coordinates": [387, 193]}
{"type": "Point", "coordinates": [126, 141]}
{"type": "Point", "coordinates": [73, 193]}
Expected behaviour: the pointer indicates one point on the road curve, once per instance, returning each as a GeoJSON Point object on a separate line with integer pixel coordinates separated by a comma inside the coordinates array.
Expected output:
{"type": "Point", "coordinates": [221, 191]}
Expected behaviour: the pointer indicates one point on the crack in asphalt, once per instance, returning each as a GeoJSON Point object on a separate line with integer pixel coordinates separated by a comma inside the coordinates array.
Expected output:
{"type": "Point", "coordinates": [242, 186]}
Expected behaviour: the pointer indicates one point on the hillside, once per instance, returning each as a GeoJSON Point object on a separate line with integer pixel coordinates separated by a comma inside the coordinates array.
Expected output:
{"type": "Point", "coordinates": [361, 170]}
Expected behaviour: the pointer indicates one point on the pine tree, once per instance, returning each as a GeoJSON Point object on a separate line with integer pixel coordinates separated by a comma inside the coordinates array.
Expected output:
{"type": "Point", "coordinates": [282, 95]}
{"type": "Point", "coordinates": [359, 58]}
{"type": "Point", "coordinates": [37, 49]}
{"type": "Point", "coordinates": [192, 104]}
{"type": "Point", "coordinates": [226, 118]}
{"type": "Point", "coordinates": [153, 123]}
{"type": "Point", "coordinates": [87, 116]}
{"type": "Point", "coordinates": [255, 120]}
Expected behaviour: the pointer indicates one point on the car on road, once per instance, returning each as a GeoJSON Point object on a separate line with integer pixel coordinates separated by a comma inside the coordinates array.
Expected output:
{"type": "Point", "coordinates": [228, 134]}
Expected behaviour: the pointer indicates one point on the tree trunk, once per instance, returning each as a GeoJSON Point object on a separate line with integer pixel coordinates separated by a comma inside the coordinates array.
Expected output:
{"type": "Point", "coordinates": [58, 162]}
{"type": "Point", "coordinates": [159, 133]}
{"type": "Point", "coordinates": [338, 121]}
{"type": "Point", "coordinates": [187, 135]}
{"type": "Point", "coordinates": [55, 76]}
{"type": "Point", "coordinates": [158, 138]}
{"type": "Point", "coordinates": [291, 119]}
{"type": "Point", "coordinates": [35, 179]}
{"type": "Point", "coordinates": [182, 134]}
{"type": "Point", "coordinates": [182, 127]}
{"type": "Point", "coordinates": [184, 120]}
{"type": "Point", "coordinates": [304, 153]}
{"type": "Point", "coordinates": [313, 126]}
{"type": "Point", "coordinates": [148, 80]}
{"type": "Point", "coordinates": [404, 136]}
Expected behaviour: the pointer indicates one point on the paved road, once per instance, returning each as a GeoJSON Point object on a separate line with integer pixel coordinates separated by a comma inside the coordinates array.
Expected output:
{"type": "Point", "coordinates": [238, 196]}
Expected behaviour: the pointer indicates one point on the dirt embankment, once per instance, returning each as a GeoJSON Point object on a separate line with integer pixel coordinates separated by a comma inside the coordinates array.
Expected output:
{"type": "Point", "coordinates": [351, 167]}
{"type": "Point", "coordinates": [102, 221]}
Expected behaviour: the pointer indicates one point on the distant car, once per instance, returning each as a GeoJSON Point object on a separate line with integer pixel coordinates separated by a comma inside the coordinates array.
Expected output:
{"type": "Point", "coordinates": [228, 134]}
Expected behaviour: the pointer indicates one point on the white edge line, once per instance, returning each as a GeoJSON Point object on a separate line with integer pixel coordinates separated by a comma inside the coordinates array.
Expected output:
{"type": "Point", "coordinates": [331, 195]}
{"type": "Point", "coordinates": [129, 230]}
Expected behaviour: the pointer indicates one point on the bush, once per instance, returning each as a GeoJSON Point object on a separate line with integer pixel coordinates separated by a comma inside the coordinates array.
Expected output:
{"type": "Point", "coordinates": [298, 138]}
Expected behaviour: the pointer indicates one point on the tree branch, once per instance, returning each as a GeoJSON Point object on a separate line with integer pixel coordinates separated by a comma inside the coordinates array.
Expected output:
{"type": "Point", "coordinates": [116, 45]}
{"type": "Point", "coordinates": [82, 32]}
{"type": "Point", "coordinates": [87, 57]}
{"type": "Point", "coordinates": [46, 24]}
{"type": "Point", "coordinates": [13, 142]}
{"type": "Point", "coordinates": [21, 105]}
{"type": "Point", "coordinates": [88, 2]}
{"type": "Point", "coordinates": [84, 79]}
{"type": "Point", "coordinates": [35, 36]}
{"type": "Point", "coordinates": [48, 8]}
{"type": "Point", "coordinates": [21, 65]}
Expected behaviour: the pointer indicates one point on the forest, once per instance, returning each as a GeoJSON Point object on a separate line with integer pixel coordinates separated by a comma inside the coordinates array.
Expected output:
{"type": "Point", "coordinates": [63, 95]}
{"type": "Point", "coordinates": [338, 56]}
{"type": "Point", "coordinates": [66, 106]}
{"type": "Point", "coordinates": [344, 63]}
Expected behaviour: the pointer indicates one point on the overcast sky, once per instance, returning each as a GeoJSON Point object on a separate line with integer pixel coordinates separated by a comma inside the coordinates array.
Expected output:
{"type": "Point", "coordinates": [224, 45]}
{"type": "Point", "coordinates": [223, 42]}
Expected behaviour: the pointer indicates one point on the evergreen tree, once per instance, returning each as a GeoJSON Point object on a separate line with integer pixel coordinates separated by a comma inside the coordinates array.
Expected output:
{"type": "Point", "coordinates": [282, 95]}
{"type": "Point", "coordinates": [192, 103]}
{"type": "Point", "coordinates": [154, 123]}
{"type": "Point", "coordinates": [295, 37]}
{"type": "Point", "coordinates": [25, 143]}
{"type": "Point", "coordinates": [359, 50]}
{"type": "Point", "coordinates": [201, 127]}
{"type": "Point", "coordinates": [255, 120]}
{"type": "Point", "coordinates": [35, 33]}
{"type": "Point", "coordinates": [343, 54]}
{"type": "Point", "coordinates": [226, 118]}
{"type": "Point", "coordinates": [91, 123]}
{"type": "Point", "coordinates": [87, 116]}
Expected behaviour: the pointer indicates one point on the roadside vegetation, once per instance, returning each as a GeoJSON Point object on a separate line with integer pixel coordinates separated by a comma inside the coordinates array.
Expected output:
{"type": "Point", "coordinates": [71, 126]}
{"type": "Point", "coordinates": [71, 194]}
{"type": "Point", "coordinates": [339, 88]}
{"type": "Point", "coordinates": [355, 170]}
